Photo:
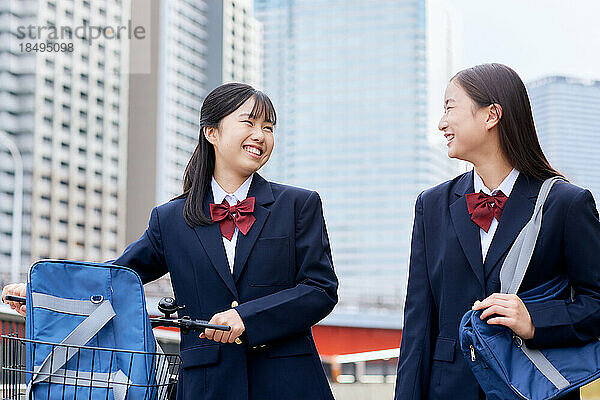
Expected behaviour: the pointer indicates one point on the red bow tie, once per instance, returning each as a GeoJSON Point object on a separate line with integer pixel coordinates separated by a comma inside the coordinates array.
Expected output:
{"type": "Point", "coordinates": [483, 208]}
{"type": "Point", "coordinates": [229, 217]}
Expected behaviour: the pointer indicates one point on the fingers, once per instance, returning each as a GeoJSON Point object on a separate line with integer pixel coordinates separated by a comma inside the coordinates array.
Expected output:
{"type": "Point", "coordinates": [495, 299]}
{"type": "Point", "coordinates": [498, 310]}
{"type": "Point", "coordinates": [507, 310]}
{"type": "Point", "coordinates": [229, 318]}
{"type": "Point", "coordinates": [508, 322]}
{"type": "Point", "coordinates": [15, 289]}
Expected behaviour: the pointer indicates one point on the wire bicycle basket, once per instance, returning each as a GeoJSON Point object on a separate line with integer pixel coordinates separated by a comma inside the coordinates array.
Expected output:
{"type": "Point", "coordinates": [79, 376]}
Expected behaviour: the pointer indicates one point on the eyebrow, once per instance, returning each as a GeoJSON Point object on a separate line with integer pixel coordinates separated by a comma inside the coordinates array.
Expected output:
{"type": "Point", "coordinates": [247, 115]}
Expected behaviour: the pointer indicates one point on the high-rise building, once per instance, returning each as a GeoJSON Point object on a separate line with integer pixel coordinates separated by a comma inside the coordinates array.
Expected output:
{"type": "Point", "coordinates": [66, 108]}
{"type": "Point", "coordinates": [567, 119]}
{"type": "Point", "coordinates": [17, 107]}
{"type": "Point", "coordinates": [235, 43]}
{"type": "Point", "coordinates": [196, 46]}
{"type": "Point", "coordinates": [348, 79]}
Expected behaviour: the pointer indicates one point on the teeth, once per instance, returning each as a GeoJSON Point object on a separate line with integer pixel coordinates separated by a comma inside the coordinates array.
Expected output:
{"type": "Point", "coordinates": [253, 150]}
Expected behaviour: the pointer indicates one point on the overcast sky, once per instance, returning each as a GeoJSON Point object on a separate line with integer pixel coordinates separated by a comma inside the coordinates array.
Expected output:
{"type": "Point", "coordinates": [536, 38]}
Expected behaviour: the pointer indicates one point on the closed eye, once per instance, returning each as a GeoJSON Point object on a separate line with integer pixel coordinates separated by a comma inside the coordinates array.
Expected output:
{"type": "Point", "coordinates": [268, 128]}
{"type": "Point", "coordinates": [247, 121]}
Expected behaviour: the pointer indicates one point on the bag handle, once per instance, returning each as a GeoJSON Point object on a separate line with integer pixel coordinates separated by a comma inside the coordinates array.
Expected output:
{"type": "Point", "coordinates": [517, 260]}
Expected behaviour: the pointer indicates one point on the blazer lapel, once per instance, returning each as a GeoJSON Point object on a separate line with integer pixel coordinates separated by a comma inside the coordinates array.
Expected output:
{"type": "Point", "coordinates": [516, 213]}
{"type": "Point", "coordinates": [210, 238]}
{"type": "Point", "coordinates": [466, 230]}
{"type": "Point", "coordinates": [263, 194]}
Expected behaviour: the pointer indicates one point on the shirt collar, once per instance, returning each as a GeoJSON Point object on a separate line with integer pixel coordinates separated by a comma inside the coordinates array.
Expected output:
{"type": "Point", "coordinates": [506, 186]}
{"type": "Point", "coordinates": [240, 194]}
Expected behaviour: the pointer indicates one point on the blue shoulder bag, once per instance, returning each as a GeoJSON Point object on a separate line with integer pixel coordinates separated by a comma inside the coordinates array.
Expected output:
{"type": "Point", "coordinates": [500, 360]}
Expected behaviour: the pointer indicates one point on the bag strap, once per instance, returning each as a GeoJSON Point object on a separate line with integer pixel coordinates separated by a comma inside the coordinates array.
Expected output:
{"type": "Point", "coordinates": [517, 260]}
{"type": "Point", "coordinates": [82, 334]}
{"type": "Point", "coordinates": [513, 271]}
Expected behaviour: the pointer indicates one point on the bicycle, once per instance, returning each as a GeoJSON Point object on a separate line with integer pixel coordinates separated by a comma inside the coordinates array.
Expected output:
{"type": "Point", "coordinates": [65, 383]}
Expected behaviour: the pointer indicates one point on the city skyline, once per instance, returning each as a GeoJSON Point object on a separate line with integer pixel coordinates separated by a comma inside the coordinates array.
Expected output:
{"type": "Point", "coordinates": [197, 62]}
{"type": "Point", "coordinates": [353, 128]}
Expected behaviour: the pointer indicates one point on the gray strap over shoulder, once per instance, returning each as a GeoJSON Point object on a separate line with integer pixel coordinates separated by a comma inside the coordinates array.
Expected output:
{"type": "Point", "coordinates": [517, 260]}
{"type": "Point", "coordinates": [513, 271]}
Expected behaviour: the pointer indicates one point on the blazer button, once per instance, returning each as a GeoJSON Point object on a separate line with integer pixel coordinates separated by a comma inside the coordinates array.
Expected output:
{"type": "Point", "coordinates": [262, 346]}
{"type": "Point", "coordinates": [238, 341]}
{"type": "Point", "coordinates": [234, 304]}
{"type": "Point", "coordinates": [254, 347]}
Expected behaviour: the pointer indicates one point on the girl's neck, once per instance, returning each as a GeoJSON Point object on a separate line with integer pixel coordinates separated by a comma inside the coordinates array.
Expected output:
{"type": "Point", "coordinates": [493, 172]}
{"type": "Point", "coordinates": [229, 181]}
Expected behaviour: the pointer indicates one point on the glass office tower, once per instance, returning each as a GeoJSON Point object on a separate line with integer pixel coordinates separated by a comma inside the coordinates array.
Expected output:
{"type": "Point", "coordinates": [567, 118]}
{"type": "Point", "coordinates": [348, 79]}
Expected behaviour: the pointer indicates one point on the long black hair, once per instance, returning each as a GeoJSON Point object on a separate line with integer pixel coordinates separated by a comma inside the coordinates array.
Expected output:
{"type": "Point", "coordinates": [218, 104]}
{"type": "Point", "coordinates": [489, 84]}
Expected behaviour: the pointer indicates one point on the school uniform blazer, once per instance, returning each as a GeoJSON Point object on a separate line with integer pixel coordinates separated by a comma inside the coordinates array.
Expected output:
{"type": "Point", "coordinates": [447, 275]}
{"type": "Point", "coordinates": [283, 280]}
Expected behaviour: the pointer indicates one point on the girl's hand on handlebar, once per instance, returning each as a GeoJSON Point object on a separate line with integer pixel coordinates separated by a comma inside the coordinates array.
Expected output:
{"type": "Point", "coordinates": [230, 318]}
{"type": "Point", "coordinates": [15, 289]}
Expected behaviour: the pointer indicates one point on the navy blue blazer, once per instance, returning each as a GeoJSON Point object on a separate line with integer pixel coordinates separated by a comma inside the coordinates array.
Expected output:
{"type": "Point", "coordinates": [283, 280]}
{"type": "Point", "coordinates": [447, 275]}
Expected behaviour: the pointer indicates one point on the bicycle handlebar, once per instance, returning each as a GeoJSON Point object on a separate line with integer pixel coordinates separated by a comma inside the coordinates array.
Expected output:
{"type": "Point", "coordinates": [185, 323]}
{"type": "Point", "coordinates": [10, 297]}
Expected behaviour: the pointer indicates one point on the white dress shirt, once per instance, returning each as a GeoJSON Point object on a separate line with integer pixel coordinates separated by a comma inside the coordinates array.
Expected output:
{"type": "Point", "coordinates": [240, 195]}
{"type": "Point", "coordinates": [506, 187]}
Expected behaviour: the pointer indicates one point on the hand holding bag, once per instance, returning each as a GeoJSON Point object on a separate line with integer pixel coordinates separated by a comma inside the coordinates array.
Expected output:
{"type": "Point", "coordinates": [500, 360]}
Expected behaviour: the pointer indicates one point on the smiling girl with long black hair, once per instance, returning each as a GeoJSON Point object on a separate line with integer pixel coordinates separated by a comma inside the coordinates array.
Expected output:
{"type": "Point", "coordinates": [242, 252]}
{"type": "Point", "coordinates": [464, 228]}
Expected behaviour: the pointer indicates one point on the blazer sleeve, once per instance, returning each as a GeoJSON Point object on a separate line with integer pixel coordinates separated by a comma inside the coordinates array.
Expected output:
{"type": "Point", "coordinates": [294, 310]}
{"type": "Point", "coordinates": [565, 322]}
{"type": "Point", "coordinates": [414, 363]}
{"type": "Point", "coordinates": [146, 255]}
